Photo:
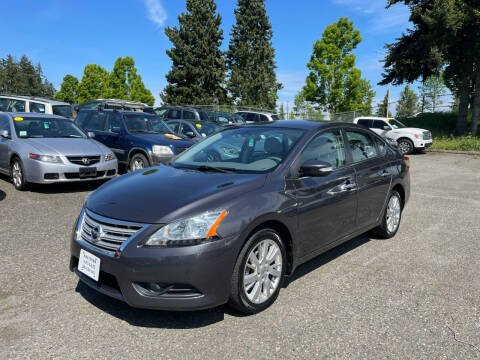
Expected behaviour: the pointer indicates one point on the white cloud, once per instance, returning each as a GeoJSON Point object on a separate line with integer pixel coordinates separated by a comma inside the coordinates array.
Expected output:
{"type": "Point", "coordinates": [381, 19]}
{"type": "Point", "coordinates": [156, 12]}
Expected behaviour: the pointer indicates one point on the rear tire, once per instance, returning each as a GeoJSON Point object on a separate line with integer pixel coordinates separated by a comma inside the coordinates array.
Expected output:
{"type": "Point", "coordinates": [392, 217]}
{"type": "Point", "coordinates": [17, 174]}
{"type": "Point", "coordinates": [259, 272]}
{"type": "Point", "coordinates": [138, 162]}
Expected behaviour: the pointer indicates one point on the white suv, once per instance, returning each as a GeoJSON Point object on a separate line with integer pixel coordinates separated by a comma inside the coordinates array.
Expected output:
{"type": "Point", "coordinates": [19, 103]}
{"type": "Point", "coordinates": [408, 139]}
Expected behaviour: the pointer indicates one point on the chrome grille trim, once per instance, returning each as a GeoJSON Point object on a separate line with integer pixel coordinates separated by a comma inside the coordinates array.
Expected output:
{"type": "Point", "coordinates": [110, 234]}
{"type": "Point", "coordinates": [78, 160]}
{"type": "Point", "coordinates": [427, 135]}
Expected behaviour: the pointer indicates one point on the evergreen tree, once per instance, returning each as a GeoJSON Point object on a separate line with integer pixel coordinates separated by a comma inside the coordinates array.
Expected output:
{"type": "Point", "coordinates": [334, 83]}
{"type": "Point", "coordinates": [250, 57]}
{"type": "Point", "coordinates": [408, 103]}
{"type": "Point", "coordinates": [431, 92]}
{"type": "Point", "coordinates": [94, 83]}
{"type": "Point", "coordinates": [382, 108]}
{"type": "Point", "coordinates": [125, 83]}
{"type": "Point", "coordinates": [281, 112]}
{"type": "Point", "coordinates": [68, 90]}
{"type": "Point", "coordinates": [198, 70]}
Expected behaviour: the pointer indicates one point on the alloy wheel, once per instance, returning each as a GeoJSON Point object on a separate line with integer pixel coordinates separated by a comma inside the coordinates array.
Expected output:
{"type": "Point", "coordinates": [263, 271]}
{"type": "Point", "coordinates": [394, 209]}
{"type": "Point", "coordinates": [138, 164]}
{"type": "Point", "coordinates": [17, 175]}
{"type": "Point", "coordinates": [405, 147]}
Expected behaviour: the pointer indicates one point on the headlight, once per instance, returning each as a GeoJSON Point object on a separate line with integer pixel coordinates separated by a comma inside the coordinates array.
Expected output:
{"type": "Point", "coordinates": [189, 231]}
{"type": "Point", "coordinates": [418, 136]}
{"type": "Point", "coordinates": [109, 157]}
{"type": "Point", "coordinates": [161, 150]}
{"type": "Point", "coordinates": [46, 158]}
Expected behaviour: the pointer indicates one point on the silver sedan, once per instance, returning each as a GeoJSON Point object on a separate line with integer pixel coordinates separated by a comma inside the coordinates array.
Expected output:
{"type": "Point", "coordinates": [38, 148]}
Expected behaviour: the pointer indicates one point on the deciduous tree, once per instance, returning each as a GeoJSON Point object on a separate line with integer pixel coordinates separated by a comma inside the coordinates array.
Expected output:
{"type": "Point", "coordinates": [68, 90]}
{"type": "Point", "coordinates": [94, 83]}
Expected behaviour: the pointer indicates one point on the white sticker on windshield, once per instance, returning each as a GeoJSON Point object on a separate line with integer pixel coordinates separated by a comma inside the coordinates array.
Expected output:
{"type": "Point", "coordinates": [23, 133]}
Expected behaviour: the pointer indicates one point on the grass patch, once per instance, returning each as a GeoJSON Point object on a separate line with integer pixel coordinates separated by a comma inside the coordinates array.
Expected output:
{"type": "Point", "coordinates": [462, 143]}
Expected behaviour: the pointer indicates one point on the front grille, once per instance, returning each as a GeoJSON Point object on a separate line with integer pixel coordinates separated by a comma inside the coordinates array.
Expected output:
{"type": "Point", "coordinates": [427, 135]}
{"type": "Point", "coordinates": [181, 149]}
{"type": "Point", "coordinates": [77, 175]}
{"type": "Point", "coordinates": [84, 160]}
{"type": "Point", "coordinates": [106, 234]}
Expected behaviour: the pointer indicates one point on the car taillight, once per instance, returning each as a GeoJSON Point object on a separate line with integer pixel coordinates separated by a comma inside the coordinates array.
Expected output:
{"type": "Point", "coordinates": [407, 161]}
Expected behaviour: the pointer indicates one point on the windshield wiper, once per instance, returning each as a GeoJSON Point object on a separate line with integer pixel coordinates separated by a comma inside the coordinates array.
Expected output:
{"type": "Point", "coordinates": [216, 169]}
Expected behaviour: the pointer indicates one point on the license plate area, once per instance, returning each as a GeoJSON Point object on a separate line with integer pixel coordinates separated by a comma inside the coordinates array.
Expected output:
{"type": "Point", "coordinates": [87, 172]}
{"type": "Point", "coordinates": [89, 264]}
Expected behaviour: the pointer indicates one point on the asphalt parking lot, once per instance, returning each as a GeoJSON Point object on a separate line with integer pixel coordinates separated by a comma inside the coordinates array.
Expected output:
{"type": "Point", "coordinates": [416, 296]}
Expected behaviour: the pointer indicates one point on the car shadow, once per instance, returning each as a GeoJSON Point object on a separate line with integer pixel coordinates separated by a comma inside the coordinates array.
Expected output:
{"type": "Point", "coordinates": [2, 195]}
{"type": "Point", "coordinates": [198, 319]}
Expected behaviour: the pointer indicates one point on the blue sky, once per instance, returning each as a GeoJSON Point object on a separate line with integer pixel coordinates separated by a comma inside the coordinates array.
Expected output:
{"type": "Point", "coordinates": [65, 35]}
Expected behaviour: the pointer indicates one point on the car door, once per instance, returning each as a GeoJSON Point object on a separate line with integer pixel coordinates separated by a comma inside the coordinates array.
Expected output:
{"type": "Point", "coordinates": [372, 176]}
{"type": "Point", "coordinates": [326, 205]}
{"type": "Point", "coordinates": [381, 127]}
{"type": "Point", "coordinates": [187, 129]}
{"type": "Point", "coordinates": [113, 135]}
{"type": "Point", "coordinates": [96, 124]}
{"type": "Point", "coordinates": [4, 143]}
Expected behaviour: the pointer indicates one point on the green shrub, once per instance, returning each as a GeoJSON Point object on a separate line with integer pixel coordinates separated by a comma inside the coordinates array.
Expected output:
{"type": "Point", "coordinates": [462, 143]}
{"type": "Point", "coordinates": [440, 124]}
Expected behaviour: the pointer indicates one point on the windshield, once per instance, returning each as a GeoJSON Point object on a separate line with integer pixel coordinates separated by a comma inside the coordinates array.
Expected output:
{"type": "Point", "coordinates": [243, 150]}
{"type": "Point", "coordinates": [396, 124]}
{"type": "Point", "coordinates": [207, 129]}
{"type": "Point", "coordinates": [143, 123]}
{"type": "Point", "coordinates": [47, 128]}
{"type": "Point", "coordinates": [62, 110]}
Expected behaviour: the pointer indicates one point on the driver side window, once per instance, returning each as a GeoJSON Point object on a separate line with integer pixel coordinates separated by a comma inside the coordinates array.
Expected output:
{"type": "Point", "coordinates": [327, 146]}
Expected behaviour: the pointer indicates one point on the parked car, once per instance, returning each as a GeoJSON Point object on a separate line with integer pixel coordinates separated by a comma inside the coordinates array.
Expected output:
{"type": "Point", "coordinates": [252, 117]}
{"type": "Point", "coordinates": [180, 113]}
{"type": "Point", "coordinates": [117, 104]}
{"type": "Point", "coordinates": [225, 118]}
{"type": "Point", "coordinates": [40, 148]}
{"type": "Point", "coordinates": [17, 103]}
{"type": "Point", "coordinates": [200, 233]}
{"type": "Point", "coordinates": [407, 138]}
{"type": "Point", "coordinates": [138, 139]}
{"type": "Point", "coordinates": [195, 130]}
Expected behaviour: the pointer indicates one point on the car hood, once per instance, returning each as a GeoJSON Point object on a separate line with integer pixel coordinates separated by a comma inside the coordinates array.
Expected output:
{"type": "Point", "coordinates": [409, 130]}
{"type": "Point", "coordinates": [162, 194]}
{"type": "Point", "coordinates": [160, 139]}
{"type": "Point", "coordinates": [66, 146]}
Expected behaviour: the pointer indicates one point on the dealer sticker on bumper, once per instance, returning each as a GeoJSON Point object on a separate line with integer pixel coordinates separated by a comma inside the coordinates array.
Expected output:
{"type": "Point", "coordinates": [89, 264]}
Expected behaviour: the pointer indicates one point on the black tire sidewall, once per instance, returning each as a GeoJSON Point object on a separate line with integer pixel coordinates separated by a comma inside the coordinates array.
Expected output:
{"type": "Point", "coordinates": [132, 159]}
{"type": "Point", "coordinates": [247, 305]}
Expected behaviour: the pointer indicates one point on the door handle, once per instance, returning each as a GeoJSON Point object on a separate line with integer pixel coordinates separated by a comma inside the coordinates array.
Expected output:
{"type": "Point", "coordinates": [385, 173]}
{"type": "Point", "coordinates": [348, 186]}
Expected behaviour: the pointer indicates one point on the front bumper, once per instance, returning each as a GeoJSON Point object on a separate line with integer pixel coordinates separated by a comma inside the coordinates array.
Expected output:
{"type": "Point", "coordinates": [423, 144]}
{"type": "Point", "coordinates": [202, 271]}
{"type": "Point", "coordinates": [45, 173]}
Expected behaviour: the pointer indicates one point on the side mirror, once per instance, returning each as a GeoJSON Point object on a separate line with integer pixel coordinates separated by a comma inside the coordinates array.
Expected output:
{"type": "Point", "coordinates": [190, 134]}
{"type": "Point", "coordinates": [76, 108]}
{"type": "Point", "coordinates": [316, 168]}
{"type": "Point", "coordinates": [5, 134]}
{"type": "Point", "coordinates": [91, 135]}
{"type": "Point", "coordinates": [117, 130]}
{"type": "Point", "coordinates": [386, 127]}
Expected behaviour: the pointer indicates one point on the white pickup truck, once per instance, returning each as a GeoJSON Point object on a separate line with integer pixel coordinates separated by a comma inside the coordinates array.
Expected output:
{"type": "Point", "coordinates": [408, 139]}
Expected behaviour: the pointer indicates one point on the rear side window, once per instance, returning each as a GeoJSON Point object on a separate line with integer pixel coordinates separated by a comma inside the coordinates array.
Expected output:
{"type": "Point", "coordinates": [361, 145]}
{"type": "Point", "coordinates": [37, 107]}
{"type": "Point", "coordinates": [365, 122]}
{"type": "Point", "coordinates": [62, 110]}
{"type": "Point", "coordinates": [252, 117]}
{"type": "Point", "coordinates": [188, 115]}
{"type": "Point", "coordinates": [263, 118]}
{"type": "Point", "coordinates": [12, 105]}
{"type": "Point", "coordinates": [174, 125]}
{"type": "Point", "coordinates": [96, 122]}
{"type": "Point", "coordinates": [113, 120]}
{"type": "Point", "coordinates": [174, 114]}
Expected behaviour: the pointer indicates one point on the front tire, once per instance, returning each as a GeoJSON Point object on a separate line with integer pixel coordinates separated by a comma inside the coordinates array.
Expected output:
{"type": "Point", "coordinates": [138, 162]}
{"type": "Point", "coordinates": [391, 217]}
{"type": "Point", "coordinates": [406, 146]}
{"type": "Point", "coordinates": [259, 272]}
{"type": "Point", "coordinates": [17, 173]}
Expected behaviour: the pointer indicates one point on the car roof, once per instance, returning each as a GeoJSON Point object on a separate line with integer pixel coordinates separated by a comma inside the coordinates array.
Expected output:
{"type": "Point", "coordinates": [372, 118]}
{"type": "Point", "coordinates": [127, 112]}
{"type": "Point", "coordinates": [27, 115]}
{"type": "Point", "coordinates": [305, 124]}
{"type": "Point", "coordinates": [34, 98]}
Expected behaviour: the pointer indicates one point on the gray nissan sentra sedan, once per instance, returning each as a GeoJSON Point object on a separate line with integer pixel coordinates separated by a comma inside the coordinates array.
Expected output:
{"type": "Point", "coordinates": [39, 148]}
{"type": "Point", "coordinates": [205, 231]}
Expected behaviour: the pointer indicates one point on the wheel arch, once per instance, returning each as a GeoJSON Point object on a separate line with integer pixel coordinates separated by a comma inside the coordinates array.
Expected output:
{"type": "Point", "coordinates": [139, 150]}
